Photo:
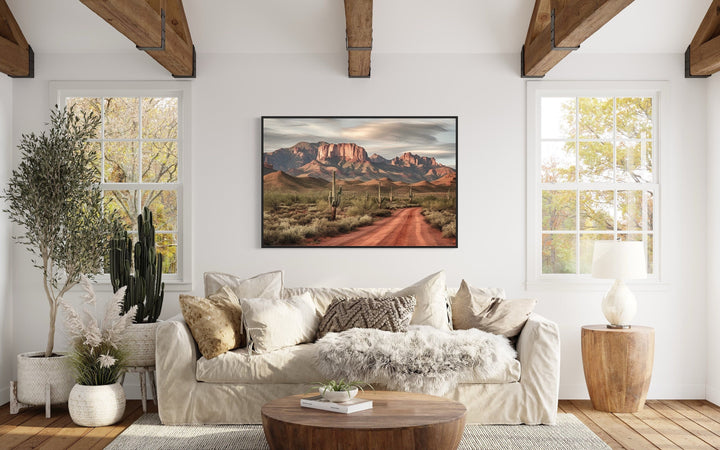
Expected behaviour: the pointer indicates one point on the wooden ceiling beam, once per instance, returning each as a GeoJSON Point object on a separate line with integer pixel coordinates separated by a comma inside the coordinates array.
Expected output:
{"type": "Point", "coordinates": [358, 32]}
{"type": "Point", "coordinates": [550, 39]}
{"type": "Point", "coordinates": [702, 57]}
{"type": "Point", "coordinates": [143, 22]}
{"type": "Point", "coordinates": [16, 56]}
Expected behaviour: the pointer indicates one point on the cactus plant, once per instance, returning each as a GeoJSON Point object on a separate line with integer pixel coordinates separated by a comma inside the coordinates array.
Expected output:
{"type": "Point", "coordinates": [334, 199]}
{"type": "Point", "coordinates": [142, 274]}
{"type": "Point", "coordinates": [410, 195]}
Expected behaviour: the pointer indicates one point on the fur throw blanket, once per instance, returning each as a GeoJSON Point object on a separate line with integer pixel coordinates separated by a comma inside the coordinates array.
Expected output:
{"type": "Point", "coordinates": [424, 359]}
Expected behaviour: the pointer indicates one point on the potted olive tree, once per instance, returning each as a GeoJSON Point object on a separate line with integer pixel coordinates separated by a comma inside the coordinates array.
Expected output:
{"type": "Point", "coordinates": [54, 197]}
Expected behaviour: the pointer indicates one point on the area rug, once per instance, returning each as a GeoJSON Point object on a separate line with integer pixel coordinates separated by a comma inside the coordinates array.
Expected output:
{"type": "Point", "coordinates": [147, 433]}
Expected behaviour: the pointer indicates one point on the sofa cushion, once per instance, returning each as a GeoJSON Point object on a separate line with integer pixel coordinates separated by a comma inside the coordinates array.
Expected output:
{"type": "Point", "coordinates": [323, 296]}
{"type": "Point", "coordinates": [265, 285]}
{"type": "Point", "coordinates": [474, 308]}
{"type": "Point", "coordinates": [271, 324]}
{"type": "Point", "coordinates": [215, 322]}
{"type": "Point", "coordinates": [389, 314]}
{"type": "Point", "coordinates": [431, 306]}
{"type": "Point", "coordinates": [293, 365]}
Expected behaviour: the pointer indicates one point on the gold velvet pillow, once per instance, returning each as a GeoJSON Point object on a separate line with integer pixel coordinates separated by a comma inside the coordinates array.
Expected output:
{"type": "Point", "coordinates": [215, 322]}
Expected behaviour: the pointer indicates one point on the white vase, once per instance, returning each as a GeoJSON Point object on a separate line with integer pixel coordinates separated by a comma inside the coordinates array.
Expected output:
{"type": "Point", "coordinates": [35, 371]}
{"type": "Point", "coordinates": [96, 406]}
{"type": "Point", "coordinates": [139, 341]}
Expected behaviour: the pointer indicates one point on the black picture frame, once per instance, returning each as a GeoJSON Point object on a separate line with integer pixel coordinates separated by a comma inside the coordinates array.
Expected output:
{"type": "Point", "coordinates": [398, 176]}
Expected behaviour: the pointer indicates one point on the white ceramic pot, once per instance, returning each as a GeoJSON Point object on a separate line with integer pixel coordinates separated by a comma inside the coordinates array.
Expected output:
{"type": "Point", "coordinates": [139, 341]}
{"type": "Point", "coordinates": [35, 371]}
{"type": "Point", "coordinates": [338, 396]}
{"type": "Point", "coordinates": [96, 406]}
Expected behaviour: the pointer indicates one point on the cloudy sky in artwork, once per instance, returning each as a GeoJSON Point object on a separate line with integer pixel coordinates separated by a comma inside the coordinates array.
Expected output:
{"type": "Point", "coordinates": [388, 137]}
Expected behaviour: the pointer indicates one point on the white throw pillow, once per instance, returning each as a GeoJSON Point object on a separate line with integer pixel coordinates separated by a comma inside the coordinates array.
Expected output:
{"type": "Point", "coordinates": [431, 306]}
{"type": "Point", "coordinates": [276, 323]}
{"type": "Point", "coordinates": [265, 285]}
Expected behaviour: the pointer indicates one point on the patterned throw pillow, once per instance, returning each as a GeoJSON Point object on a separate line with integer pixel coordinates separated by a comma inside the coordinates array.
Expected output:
{"type": "Point", "coordinates": [389, 314]}
{"type": "Point", "coordinates": [215, 322]}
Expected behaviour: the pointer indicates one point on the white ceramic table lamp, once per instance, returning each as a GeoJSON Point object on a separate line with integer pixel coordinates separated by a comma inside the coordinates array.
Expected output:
{"type": "Point", "coordinates": [619, 260]}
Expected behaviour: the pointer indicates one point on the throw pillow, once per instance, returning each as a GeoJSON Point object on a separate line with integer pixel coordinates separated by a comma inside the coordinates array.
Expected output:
{"type": "Point", "coordinates": [473, 308]}
{"type": "Point", "coordinates": [389, 314]}
{"type": "Point", "coordinates": [215, 322]}
{"type": "Point", "coordinates": [265, 285]}
{"type": "Point", "coordinates": [276, 323]}
{"type": "Point", "coordinates": [430, 307]}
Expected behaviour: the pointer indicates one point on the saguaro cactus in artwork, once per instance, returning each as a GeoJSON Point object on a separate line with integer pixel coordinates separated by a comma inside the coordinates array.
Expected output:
{"type": "Point", "coordinates": [142, 274]}
{"type": "Point", "coordinates": [334, 199]}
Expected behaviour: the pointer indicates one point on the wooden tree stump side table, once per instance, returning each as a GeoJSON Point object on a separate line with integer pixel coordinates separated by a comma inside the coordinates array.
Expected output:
{"type": "Point", "coordinates": [618, 366]}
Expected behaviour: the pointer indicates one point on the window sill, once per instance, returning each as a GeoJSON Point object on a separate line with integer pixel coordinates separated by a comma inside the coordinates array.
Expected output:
{"type": "Point", "coordinates": [104, 285]}
{"type": "Point", "coordinates": [594, 285]}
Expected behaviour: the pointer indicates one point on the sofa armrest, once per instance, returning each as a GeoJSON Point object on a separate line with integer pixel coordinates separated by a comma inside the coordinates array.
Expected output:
{"type": "Point", "coordinates": [538, 350]}
{"type": "Point", "coordinates": [175, 365]}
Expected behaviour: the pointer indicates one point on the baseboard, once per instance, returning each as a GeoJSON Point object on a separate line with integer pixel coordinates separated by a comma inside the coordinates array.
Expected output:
{"type": "Point", "coordinates": [661, 392]}
{"type": "Point", "coordinates": [712, 395]}
{"type": "Point", "coordinates": [4, 395]}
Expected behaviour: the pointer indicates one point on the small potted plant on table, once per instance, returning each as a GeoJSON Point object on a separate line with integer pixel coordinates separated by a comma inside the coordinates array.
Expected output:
{"type": "Point", "coordinates": [341, 390]}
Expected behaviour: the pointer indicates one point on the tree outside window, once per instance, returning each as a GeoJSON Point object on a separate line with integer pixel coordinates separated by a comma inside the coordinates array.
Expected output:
{"type": "Point", "coordinates": [138, 167]}
{"type": "Point", "coordinates": [597, 177]}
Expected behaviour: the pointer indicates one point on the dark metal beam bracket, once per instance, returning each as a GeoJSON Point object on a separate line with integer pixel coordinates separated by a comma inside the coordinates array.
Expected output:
{"type": "Point", "coordinates": [552, 35]}
{"type": "Point", "coordinates": [687, 66]}
{"type": "Point", "coordinates": [162, 35]}
{"type": "Point", "coordinates": [31, 66]}
{"type": "Point", "coordinates": [348, 48]}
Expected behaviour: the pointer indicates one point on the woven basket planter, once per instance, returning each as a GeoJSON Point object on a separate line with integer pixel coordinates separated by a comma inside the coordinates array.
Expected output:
{"type": "Point", "coordinates": [96, 406]}
{"type": "Point", "coordinates": [139, 340]}
{"type": "Point", "coordinates": [35, 371]}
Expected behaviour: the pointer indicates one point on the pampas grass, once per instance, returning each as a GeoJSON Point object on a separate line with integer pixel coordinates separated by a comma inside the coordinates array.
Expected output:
{"type": "Point", "coordinates": [97, 355]}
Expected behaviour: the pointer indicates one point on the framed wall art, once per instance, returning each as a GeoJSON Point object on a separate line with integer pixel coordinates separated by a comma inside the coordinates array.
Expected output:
{"type": "Point", "coordinates": [359, 181]}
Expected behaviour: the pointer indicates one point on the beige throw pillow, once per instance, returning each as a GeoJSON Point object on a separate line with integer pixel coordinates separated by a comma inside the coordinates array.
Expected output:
{"type": "Point", "coordinates": [215, 322]}
{"type": "Point", "coordinates": [276, 323]}
{"type": "Point", "coordinates": [265, 285]}
{"type": "Point", "coordinates": [431, 305]}
{"type": "Point", "coordinates": [389, 314]}
{"type": "Point", "coordinates": [473, 308]}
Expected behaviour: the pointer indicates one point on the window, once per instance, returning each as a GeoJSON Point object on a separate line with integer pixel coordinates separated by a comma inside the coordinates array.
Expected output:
{"type": "Point", "coordinates": [140, 149]}
{"type": "Point", "coordinates": [592, 176]}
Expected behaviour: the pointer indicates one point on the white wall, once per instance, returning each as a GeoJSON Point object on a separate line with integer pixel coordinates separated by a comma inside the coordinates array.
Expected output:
{"type": "Point", "coordinates": [7, 353]}
{"type": "Point", "coordinates": [713, 240]}
{"type": "Point", "coordinates": [486, 92]}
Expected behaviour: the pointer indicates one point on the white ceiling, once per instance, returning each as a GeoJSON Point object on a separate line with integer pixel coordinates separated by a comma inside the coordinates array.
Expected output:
{"type": "Point", "coordinates": [399, 26]}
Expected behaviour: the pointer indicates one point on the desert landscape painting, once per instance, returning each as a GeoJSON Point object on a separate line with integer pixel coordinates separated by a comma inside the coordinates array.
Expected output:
{"type": "Point", "coordinates": [359, 181]}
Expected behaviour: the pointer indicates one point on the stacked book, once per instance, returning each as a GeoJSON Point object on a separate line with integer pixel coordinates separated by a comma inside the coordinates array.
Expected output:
{"type": "Point", "coordinates": [350, 406]}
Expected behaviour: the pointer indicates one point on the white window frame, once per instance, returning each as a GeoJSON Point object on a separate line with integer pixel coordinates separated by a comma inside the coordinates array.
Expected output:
{"type": "Point", "coordinates": [659, 90]}
{"type": "Point", "coordinates": [61, 90]}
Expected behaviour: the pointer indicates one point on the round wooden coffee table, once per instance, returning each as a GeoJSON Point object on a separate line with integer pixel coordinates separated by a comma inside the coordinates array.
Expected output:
{"type": "Point", "coordinates": [397, 420]}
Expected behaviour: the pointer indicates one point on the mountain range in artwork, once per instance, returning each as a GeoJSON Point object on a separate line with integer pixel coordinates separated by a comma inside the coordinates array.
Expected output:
{"type": "Point", "coordinates": [305, 165]}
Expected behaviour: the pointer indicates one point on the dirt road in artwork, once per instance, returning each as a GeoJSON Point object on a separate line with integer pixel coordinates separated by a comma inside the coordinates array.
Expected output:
{"type": "Point", "coordinates": [405, 228]}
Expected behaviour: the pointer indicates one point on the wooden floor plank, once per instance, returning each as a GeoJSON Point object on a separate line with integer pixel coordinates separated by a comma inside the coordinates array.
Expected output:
{"type": "Point", "coordinates": [677, 434]}
{"type": "Point", "coordinates": [46, 433]}
{"type": "Point", "coordinates": [696, 429]}
{"type": "Point", "coordinates": [28, 429]}
{"type": "Point", "coordinates": [646, 431]}
{"type": "Point", "coordinates": [16, 420]}
{"type": "Point", "coordinates": [570, 408]}
{"type": "Point", "coordinates": [619, 430]}
{"type": "Point", "coordinates": [704, 407]}
{"type": "Point", "coordinates": [695, 416]}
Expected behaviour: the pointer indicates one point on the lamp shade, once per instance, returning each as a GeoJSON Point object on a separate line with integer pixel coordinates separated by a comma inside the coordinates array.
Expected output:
{"type": "Point", "coordinates": [619, 260]}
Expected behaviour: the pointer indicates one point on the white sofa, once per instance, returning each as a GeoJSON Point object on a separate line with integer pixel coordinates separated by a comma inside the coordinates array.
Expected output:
{"type": "Point", "coordinates": [232, 387]}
